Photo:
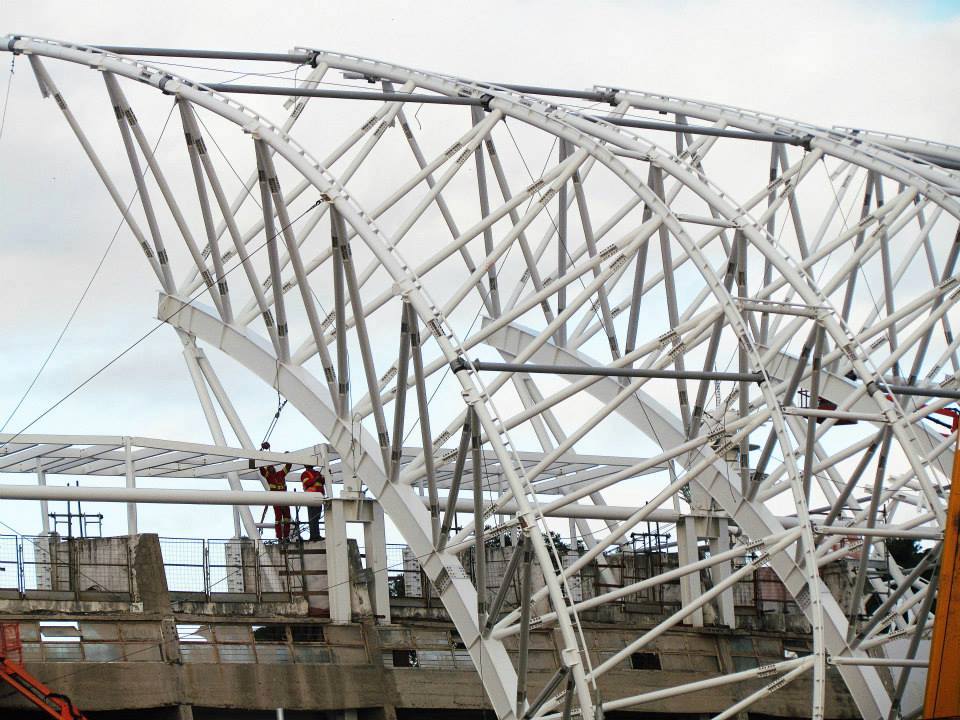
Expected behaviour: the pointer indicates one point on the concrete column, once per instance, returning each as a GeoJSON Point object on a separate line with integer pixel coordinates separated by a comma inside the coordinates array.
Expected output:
{"type": "Point", "coordinates": [338, 565]}
{"type": "Point", "coordinates": [690, 586]}
{"type": "Point", "coordinates": [720, 542]}
{"type": "Point", "coordinates": [375, 544]}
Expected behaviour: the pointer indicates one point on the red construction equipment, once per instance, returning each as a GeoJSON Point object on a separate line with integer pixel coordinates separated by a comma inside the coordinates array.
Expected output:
{"type": "Point", "coordinates": [942, 697]}
{"type": "Point", "coordinates": [13, 673]}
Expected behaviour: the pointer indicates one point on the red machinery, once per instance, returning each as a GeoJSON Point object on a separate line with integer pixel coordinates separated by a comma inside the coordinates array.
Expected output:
{"type": "Point", "coordinates": [13, 673]}
{"type": "Point", "coordinates": [942, 696]}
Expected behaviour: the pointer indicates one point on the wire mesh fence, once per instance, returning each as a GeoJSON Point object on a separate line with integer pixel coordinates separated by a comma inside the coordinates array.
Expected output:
{"type": "Point", "coordinates": [239, 569]}
{"type": "Point", "coordinates": [234, 567]}
{"type": "Point", "coordinates": [78, 566]}
{"type": "Point", "coordinates": [184, 564]}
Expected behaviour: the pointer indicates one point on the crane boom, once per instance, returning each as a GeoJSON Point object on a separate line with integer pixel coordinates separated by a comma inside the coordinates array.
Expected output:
{"type": "Point", "coordinates": [16, 676]}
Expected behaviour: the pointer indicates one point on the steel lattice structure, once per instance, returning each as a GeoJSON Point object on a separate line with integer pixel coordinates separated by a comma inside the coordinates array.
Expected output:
{"type": "Point", "coordinates": [771, 343]}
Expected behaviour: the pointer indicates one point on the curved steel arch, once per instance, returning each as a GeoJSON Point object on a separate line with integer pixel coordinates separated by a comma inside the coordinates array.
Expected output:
{"type": "Point", "coordinates": [835, 141]}
{"type": "Point", "coordinates": [602, 143]}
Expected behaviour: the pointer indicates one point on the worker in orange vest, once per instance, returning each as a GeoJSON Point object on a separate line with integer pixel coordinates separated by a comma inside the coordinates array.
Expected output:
{"type": "Point", "coordinates": [277, 481]}
{"type": "Point", "coordinates": [313, 482]}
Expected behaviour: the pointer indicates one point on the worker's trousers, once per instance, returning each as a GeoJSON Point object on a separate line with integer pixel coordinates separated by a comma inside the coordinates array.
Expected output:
{"type": "Point", "coordinates": [281, 519]}
{"type": "Point", "coordinates": [314, 513]}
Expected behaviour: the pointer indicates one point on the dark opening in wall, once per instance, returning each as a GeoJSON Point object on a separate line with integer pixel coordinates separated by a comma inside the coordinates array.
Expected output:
{"type": "Point", "coordinates": [405, 658]}
{"type": "Point", "coordinates": [645, 661]}
{"type": "Point", "coordinates": [307, 633]}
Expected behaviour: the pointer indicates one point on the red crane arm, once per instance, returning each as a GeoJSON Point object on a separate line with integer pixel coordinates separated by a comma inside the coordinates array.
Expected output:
{"type": "Point", "coordinates": [55, 705]}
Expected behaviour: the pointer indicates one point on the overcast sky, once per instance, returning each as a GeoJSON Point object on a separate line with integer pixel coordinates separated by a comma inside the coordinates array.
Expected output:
{"type": "Point", "coordinates": [879, 65]}
{"type": "Point", "coordinates": [872, 63]}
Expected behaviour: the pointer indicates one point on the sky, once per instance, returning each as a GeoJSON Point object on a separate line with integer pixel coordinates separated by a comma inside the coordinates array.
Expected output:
{"type": "Point", "coordinates": [878, 65]}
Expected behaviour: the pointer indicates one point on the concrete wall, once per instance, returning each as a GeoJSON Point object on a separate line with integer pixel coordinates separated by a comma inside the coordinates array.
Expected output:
{"type": "Point", "coordinates": [168, 658]}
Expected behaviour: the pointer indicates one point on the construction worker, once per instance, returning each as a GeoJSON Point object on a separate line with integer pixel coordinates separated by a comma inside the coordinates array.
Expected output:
{"type": "Point", "coordinates": [277, 481]}
{"type": "Point", "coordinates": [313, 482]}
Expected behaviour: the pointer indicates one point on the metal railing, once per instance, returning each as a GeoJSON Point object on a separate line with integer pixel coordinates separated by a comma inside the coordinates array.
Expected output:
{"type": "Point", "coordinates": [235, 570]}
{"type": "Point", "coordinates": [65, 567]}
{"type": "Point", "coordinates": [762, 594]}
{"type": "Point", "coordinates": [232, 569]}
{"type": "Point", "coordinates": [56, 567]}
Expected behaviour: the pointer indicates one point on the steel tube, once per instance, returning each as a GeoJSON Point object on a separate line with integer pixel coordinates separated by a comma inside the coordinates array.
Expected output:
{"type": "Point", "coordinates": [400, 402]}
{"type": "Point", "coordinates": [878, 662]}
{"type": "Point", "coordinates": [158, 495]}
{"type": "Point", "coordinates": [864, 565]}
{"type": "Point", "coordinates": [307, 297]}
{"type": "Point", "coordinates": [423, 407]}
{"type": "Point", "coordinates": [699, 130]}
{"type": "Point", "coordinates": [640, 271]}
{"type": "Point", "coordinates": [298, 58]}
{"type": "Point", "coordinates": [921, 621]}
{"type": "Point", "coordinates": [47, 87]}
{"type": "Point", "coordinates": [841, 500]}
{"type": "Point", "coordinates": [377, 96]}
{"type": "Point", "coordinates": [698, 685]}
{"type": "Point", "coordinates": [728, 582]}
{"type": "Point", "coordinates": [739, 249]}
{"type": "Point", "coordinates": [834, 414]}
{"type": "Point", "coordinates": [196, 144]}
{"type": "Point", "coordinates": [534, 368]}
{"type": "Point", "coordinates": [454, 491]}
{"type": "Point", "coordinates": [366, 351]}
{"type": "Point", "coordinates": [505, 583]}
{"type": "Point", "coordinates": [525, 600]}
{"type": "Point", "coordinates": [340, 312]}
{"type": "Point", "coordinates": [208, 224]}
{"type": "Point", "coordinates": [273, 254]}
{"type": "Point", "coordinates": [480, 547]}
{"type": "Point", "coordinates": [423, 98]}
{"type": "Point", "coordinates": [934, 392]}
{"type": "Point", "coordinates": [561, 336]}
{"type": "Point", "coordinates": [811, 431]}
{"type": "Point", "coordinates": [887, 532]}
{"type": "Point", "coordinates": [484, 198]}
{"type": "Point", "coordinates": [758, 695]}
{"type": "Point", "coordinates": [880, 614]}
{"type": "Point", "coordinates": [651, 582]}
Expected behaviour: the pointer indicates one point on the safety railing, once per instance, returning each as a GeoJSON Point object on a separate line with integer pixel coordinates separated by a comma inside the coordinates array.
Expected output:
{"type": "Point", "coordinates": [106, 640]}
{"type": "Point", "coordinates": [198, 569]}
{"type": "Point", "coordinates": [227, 570]}
{"type": "Point", "coordinates": [60, 567]}
{"type": "Point", "coordinates": [760, 595]}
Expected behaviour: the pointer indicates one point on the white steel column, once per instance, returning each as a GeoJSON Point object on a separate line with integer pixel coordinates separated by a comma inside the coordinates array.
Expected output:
{"type": "Point", "coordinates": [44, 505]}
{"type": "Point", "coordinates": [131, 482]}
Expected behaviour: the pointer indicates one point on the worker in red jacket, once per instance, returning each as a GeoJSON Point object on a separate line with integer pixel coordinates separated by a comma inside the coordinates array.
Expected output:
{"type": "Point", "coordinates": [277, 481]}
{"type": "Point", "coordinates": [313, 482]}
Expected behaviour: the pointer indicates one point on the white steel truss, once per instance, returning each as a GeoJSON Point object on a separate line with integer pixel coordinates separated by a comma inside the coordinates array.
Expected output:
{"type": "Point", "coordinates": [767, 308]}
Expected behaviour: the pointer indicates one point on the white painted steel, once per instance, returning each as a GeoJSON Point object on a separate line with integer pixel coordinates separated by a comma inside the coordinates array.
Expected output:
{"type": "Point", "coordinates": [741, 274]}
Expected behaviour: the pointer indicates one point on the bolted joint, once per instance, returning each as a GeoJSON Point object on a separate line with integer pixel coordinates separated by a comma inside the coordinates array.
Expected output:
{"type": "Point", "coordinates": [485, 101]}
{"type": "Point", "coordinates": [459, 364]}
{"type": "Point", "coordinates": [312, 58]}
{"type": "Point", "coordinates": [610, 96]}
{"type": "Point", "coordinates": [162, 83]}
{"type": "Point", "coordinates": [11, 45]}
{"type": "Point", "coordinates": [806, 141]}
